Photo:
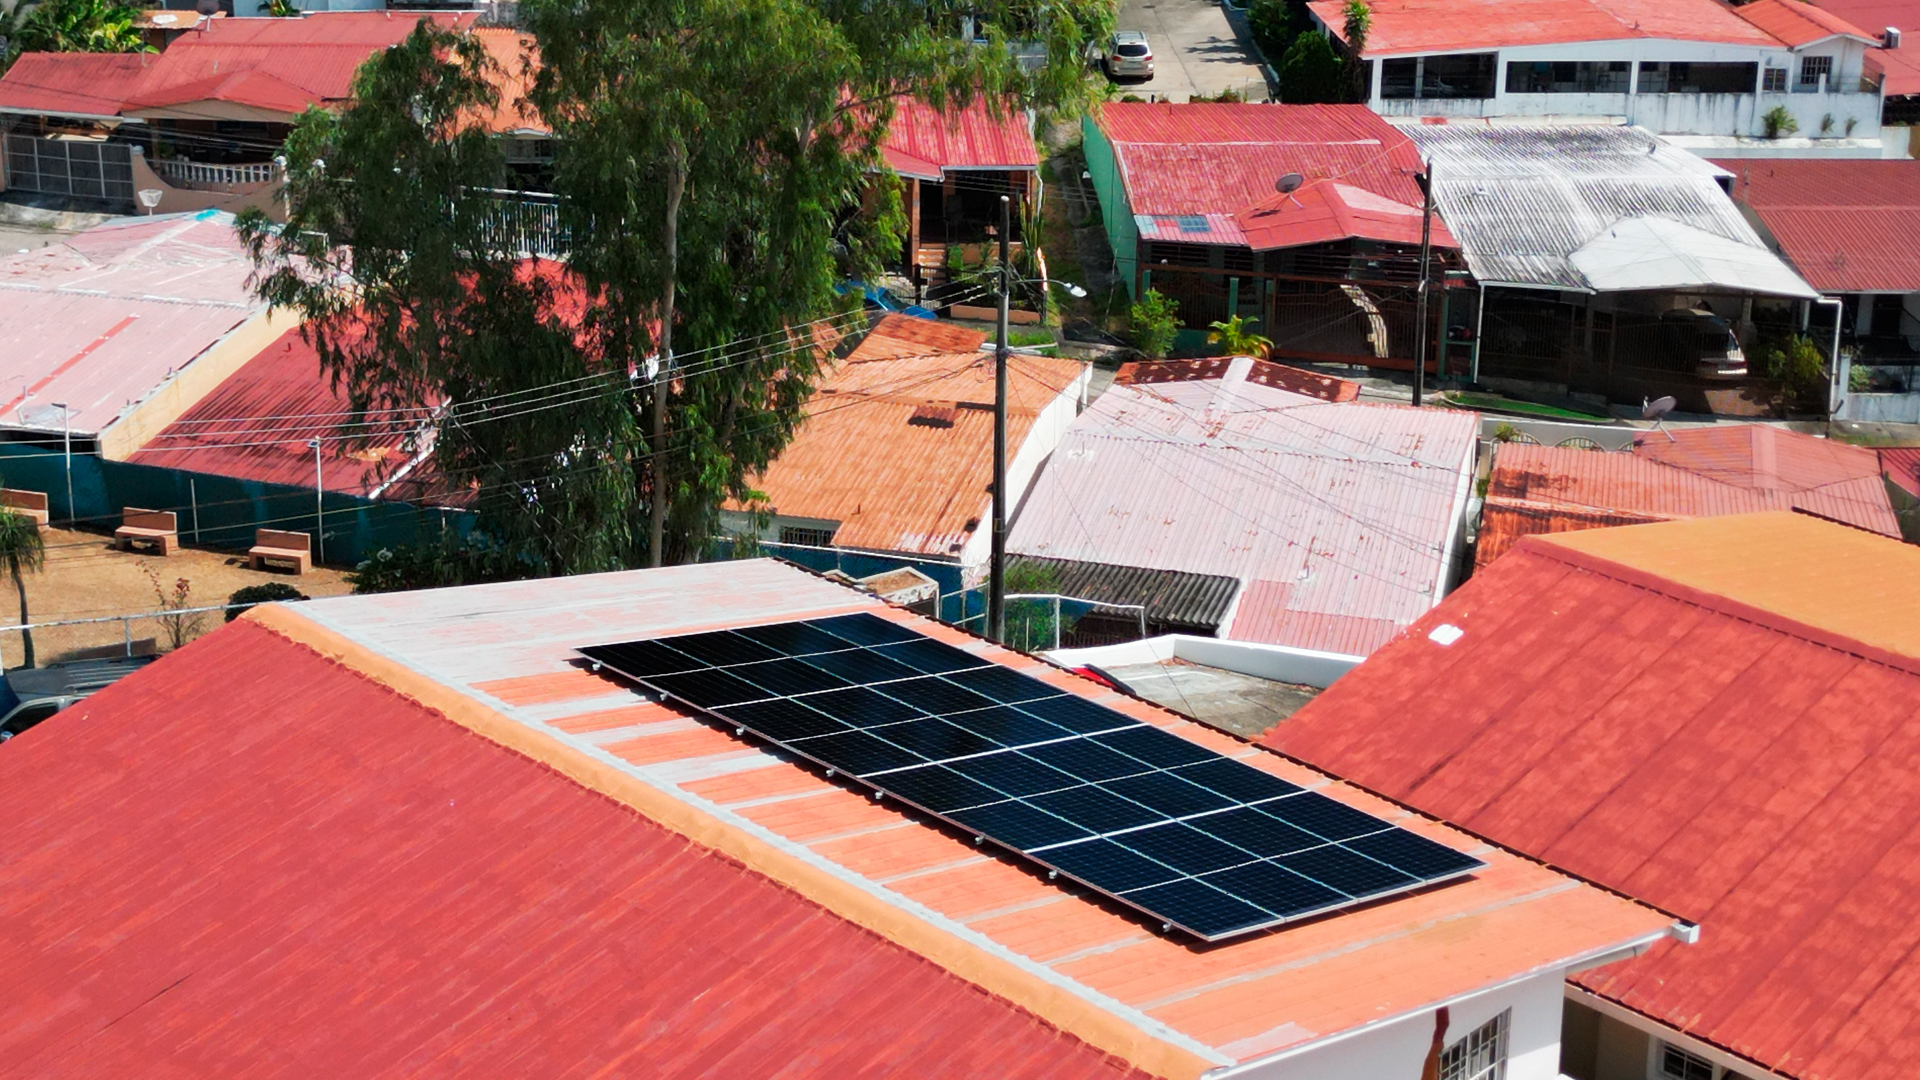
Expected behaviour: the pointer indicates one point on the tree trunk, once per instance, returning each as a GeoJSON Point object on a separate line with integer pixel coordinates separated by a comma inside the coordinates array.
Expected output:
{"type": "Point", "coordinates": [657, 532]}
{"type": "Point", "coordinates": [26, 636]}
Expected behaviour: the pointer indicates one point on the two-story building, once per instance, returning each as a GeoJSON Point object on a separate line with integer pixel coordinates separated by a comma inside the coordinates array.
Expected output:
{"type": "Point", "coordinates": [1771, 78]}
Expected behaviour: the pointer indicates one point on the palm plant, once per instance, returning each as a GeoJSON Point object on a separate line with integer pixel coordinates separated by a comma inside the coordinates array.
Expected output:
{"type": "Point", "coordinates": [22, 551]}
{"type": "Point", "coordinates": [1236, 336]}
{"type": "Point", "coordinates": [70, 26]}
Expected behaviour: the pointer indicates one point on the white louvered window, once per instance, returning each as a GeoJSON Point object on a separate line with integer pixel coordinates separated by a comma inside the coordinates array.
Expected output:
{"type": "Point", "coordinates": [1482, 1055]}
{"type": "Point", "coordinates": [1672, 1063]}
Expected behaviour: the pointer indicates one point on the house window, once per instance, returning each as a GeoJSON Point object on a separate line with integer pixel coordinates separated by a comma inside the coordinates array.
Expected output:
{"type": "Point", "coordinates": [1672, 1063]}
{"type": "Point", "coordinates": [1482, 1055]}
{"type": "Point", "coordinates": [1686, 77]}
{"type": "Point", "coordinates": [1455, 75]}
{"type": "Point", "coordinates": [805, 537]}
{"type": "Point", "coordinates": [1570, 77]}
{"type": "Point", "coordinates": [1399, 78]}
{"type": "Point", "coordinates": [1774, 80]}
{"type": "Point", "coordinates": [1814, 70]}
{"type": "Point", "coordinates": [1179, 254]}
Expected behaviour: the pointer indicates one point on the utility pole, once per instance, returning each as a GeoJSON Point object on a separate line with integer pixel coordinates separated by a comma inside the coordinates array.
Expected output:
{"type": "Point", "coordinates": [997, 571]}
{"type": "Point", "coordinates": [1425, 181]}
{"type": "Point", "coordinates": [66, 440]}
{"type": "Point", "coordinates": [319, 504]}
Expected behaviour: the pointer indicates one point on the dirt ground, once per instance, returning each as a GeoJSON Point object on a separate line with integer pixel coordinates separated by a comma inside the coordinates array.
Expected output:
{"type": "Point", "coordinates": [86, 578]}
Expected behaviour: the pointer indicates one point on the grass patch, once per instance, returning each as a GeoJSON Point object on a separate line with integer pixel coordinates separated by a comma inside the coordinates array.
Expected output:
{"type": "Point", "coordinates": [1495, 403]}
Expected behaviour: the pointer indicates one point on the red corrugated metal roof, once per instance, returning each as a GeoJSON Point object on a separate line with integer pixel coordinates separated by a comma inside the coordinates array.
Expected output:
{"type": "Point", "coordinates": [1258, 372]}
{"type": "Point", "coordinates": [1330, 210]}
{"type": "Point", "coordinates": [249, 860]}
{"type": "Point", "coordinates": [1704, 714]}
{"type": "Point", "coordinates": [1220, 158]}
{"type": "Point", "coordinates": [923, 137]}
{"type": "Point", "coordinates": [1797, 23]}
{"type": "Point", "coordinates": [1847, 226]}
{"type": "Point", "coordinates": [1428, 26]}
{"type": "Point", "coordinates": [1903, 465]}
{"type": "Point", "coordinates": [309, 60]}
{"type": "Point", "coordinates": [1902, 65]}
{"type": "Point", "coordinates": [1709, 472]}
{"type": "Point", "coordinates": [256, 424]}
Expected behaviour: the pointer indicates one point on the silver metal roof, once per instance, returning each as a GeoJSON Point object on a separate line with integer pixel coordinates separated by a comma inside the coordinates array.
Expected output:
{"type": "Point", "coordinates": [1524, 200]}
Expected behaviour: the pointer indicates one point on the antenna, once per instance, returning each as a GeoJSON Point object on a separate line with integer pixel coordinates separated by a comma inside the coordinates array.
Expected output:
{"type": "Point", "coordinates": [1289, 183]}
{"type": "Point", "coordinates": [1656, 410]}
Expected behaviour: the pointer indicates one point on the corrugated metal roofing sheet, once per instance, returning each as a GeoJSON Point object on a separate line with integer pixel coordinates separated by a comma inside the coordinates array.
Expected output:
{"type": "Point", "coordinates": [497, 658]}
{"type": "Point", "coordinates": [1197, 602]}
{"type": "Point", "coordinates": [893, 484]}
{"type": "Point", "coordinates": [256, 424]}
{"type": "Point", "coordinates": [1351, 506]}
{"type": "Point", "coordinates": [1407, 27]}
{"type": "Point", "coordinates": [1847, 226]}
{"type": "Point", "coordinates": [959, 139]}
{"type": "Point", "coordinates": [102, 320]}
{"type": "Point", "coordinates": [1902, 464]}
{"type": "Point", "coordinates": [1247, 369]}
{"type": "Point", "coordinates": [1796, 24]}
{"type": "Point", "coordinates": [305, 872]}
{"type": "Point", "coordinates": [1218, 159]}
{"type": "Point", "coordinates": [1702, 713]}
{"type": "Point", "coordinates": [1901, 66]}
{"type": "Point", "coordinates": [1523, 200]}
{"type": "Point", "coordinates": [309, 60]}
{"type": "Point", "coordinates": [1326, 211]}
{"type": "Point", "coordinates": [1708, 472]}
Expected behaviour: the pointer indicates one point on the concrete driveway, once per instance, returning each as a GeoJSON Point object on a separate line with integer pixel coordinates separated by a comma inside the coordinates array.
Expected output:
{"type": "Point", "coordinates": [1195, 51]}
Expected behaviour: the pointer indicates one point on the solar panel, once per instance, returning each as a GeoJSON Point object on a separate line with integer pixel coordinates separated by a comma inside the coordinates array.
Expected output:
{"type": "Point", "coordinates": [1197, 840]}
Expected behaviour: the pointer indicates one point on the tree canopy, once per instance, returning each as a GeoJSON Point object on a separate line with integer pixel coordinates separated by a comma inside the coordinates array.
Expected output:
{"type": "Point", "coordinates": [1312, 73]}
{"type": "Point", "coordinates": [66, 26]}
{"type": "Point", "coordinates": [716, 172]}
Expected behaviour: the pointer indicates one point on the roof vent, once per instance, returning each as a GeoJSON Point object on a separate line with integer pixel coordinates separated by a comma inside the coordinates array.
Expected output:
{"type": "Point", "coordinates": [940, 416]}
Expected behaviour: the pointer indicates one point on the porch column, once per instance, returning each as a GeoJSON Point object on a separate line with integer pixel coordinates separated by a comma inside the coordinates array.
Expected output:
{"type": "Point", "coordinates": [913, 231]}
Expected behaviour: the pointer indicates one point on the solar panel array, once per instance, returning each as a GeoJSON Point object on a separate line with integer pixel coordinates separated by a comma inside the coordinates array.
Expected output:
{"type": "Point", "coordinates": [1199, 841]}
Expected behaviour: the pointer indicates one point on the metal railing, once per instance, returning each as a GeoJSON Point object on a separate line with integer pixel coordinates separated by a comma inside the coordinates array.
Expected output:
{"type": "Point", "coordinates": [177, 625]}
{"type": "Point", "coordinates": [1038, 622]}
{"type": "Point", "coordinates": [194, 174]}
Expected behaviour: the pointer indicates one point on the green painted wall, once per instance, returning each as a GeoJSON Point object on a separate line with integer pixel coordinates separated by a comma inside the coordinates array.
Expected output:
{"type": "Point", "coordinates": [1115, 212]}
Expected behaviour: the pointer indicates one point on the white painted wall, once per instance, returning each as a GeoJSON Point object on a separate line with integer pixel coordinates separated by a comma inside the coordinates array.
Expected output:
{"type": "Point", "coordinates": [1045, 434]}
{"type": "Point", "coordinates": [1279, 663]}
{"type": "Point", "coordinates": [1398, 1049]}
{"type": "Point", "coordinates": [1732, 115]}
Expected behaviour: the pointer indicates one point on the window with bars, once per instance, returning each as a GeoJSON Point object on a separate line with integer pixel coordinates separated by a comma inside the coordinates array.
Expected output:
{"type": "Point", "coordinates": [1673, 1063]}
{"type": "Point", "coordinates": [1482, 1055]}
{"type": "Point", "coordinates": [805, 537]}
{"type": "Point", "coordinates": [1814, 70]}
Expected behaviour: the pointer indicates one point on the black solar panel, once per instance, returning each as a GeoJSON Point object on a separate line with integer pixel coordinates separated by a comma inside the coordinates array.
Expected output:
{"type": "Point", "coordinates": [1197, 840]}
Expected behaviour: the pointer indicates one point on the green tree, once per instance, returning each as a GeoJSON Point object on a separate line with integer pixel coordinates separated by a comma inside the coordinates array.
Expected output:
{"type": "Point", "coordinates": [23, 552]}
{"type": "Point", "coordinates": [1312, 73]}
{"type": "Point", "coordinates": [1154, 321]}
{"type": "Point", "coordinates": [1235, 335]}
{"type": "Point", "coordinates": [268, 592]}
{"type": "Point", "coordinates": [1359, 24]}
{"type": "Point", "coordinates": [70, 26]}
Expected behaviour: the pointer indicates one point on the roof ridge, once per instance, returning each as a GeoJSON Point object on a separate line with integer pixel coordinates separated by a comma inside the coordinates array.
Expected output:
{"type": "Point", "coordinates": [1634, 577]}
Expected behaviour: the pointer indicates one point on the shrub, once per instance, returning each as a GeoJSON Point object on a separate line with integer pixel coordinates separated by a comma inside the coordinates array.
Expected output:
{"type": "Point", "coordinates": [269, 593]}
{"type": "Point", "coordinates": [1794, 362]}
{"type": "Point", "coordinates": [1778, 121]}
{"type": "Point", "coordinates": [1154, 320]}
{"type": "Point", "coordinates": [435, 565]}
{"type": "Point", "coordinates": [1272, 23]}
{"type": "Point", "coordinates": [1312, 73]}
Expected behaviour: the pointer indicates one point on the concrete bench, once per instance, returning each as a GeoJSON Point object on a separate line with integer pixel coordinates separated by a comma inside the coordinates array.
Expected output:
{"type": "Point", "coordinates": [31, 504]}
{"type": "Point", "coordinates": [161, 528]}
{"type": "Point", "coordinates": [281, 548]}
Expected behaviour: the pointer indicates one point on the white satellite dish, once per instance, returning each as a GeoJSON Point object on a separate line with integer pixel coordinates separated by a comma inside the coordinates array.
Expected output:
{"type": "Point", "coordinates": [1656, 410]}
{"type": "Point", "coordinates": [167, 19]}
{"type": "Point", "coordinates": [1289, 183]}
{"type": "Point", "coordinates": [150, 198]}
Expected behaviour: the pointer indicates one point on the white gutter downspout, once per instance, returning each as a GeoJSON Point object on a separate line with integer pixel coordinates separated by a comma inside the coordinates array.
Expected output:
{"type": "Point", "coordinates": [1833, 356]}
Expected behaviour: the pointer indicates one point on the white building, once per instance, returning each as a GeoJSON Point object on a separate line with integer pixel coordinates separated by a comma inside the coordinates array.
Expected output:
{"type": "Point", "coordinates": [1772, 78]}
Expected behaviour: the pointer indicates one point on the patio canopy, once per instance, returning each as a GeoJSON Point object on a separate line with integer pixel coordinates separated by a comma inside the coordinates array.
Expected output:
{"type": "Point", "coordinates": [1660, 253]}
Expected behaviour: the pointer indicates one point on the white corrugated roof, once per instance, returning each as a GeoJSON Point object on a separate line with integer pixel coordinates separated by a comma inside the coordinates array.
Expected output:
{"type": "Point", "coordinates": [1523, 201]}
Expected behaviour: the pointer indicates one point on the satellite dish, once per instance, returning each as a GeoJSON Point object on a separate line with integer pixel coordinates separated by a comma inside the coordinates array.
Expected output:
{"type": "Point", "coordinates": [150, 198]}
{"type": "Point", "coordinates": [167, 19]}
{"type": "Point", "coordinates": [1289, 183]}
{"type": "Point", "coordinates": [1654, 410]}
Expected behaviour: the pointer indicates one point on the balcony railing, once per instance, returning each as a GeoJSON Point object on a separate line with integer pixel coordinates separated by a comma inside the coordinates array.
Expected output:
{"type": "Point", "coordinates": [199, 176]}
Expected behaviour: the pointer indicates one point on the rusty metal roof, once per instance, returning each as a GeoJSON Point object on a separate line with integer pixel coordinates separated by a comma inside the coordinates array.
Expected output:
{"type": "Point", "coordinates": [928, 143]}
{"type": "Point", "coordinates": [369, 750]}
{"type": "Point", "coordinates": [104, 319]}
{"type": "Point", "coordinates": [1704, 472]}
{"type": "Point", "coordinates": [1845, 225]}
{"type": "Point", "coordinates": [1717, 715]}
{"type": "Point", "coordinates": [1337, 517]}
{"type": "Point", "coordinates": [1198, 603]}
{"type": "Point", "coordinates": [1795, 23]}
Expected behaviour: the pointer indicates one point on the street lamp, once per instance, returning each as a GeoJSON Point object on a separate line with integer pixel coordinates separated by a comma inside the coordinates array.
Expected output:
{"type": "Point", "coordinates": [66, 439]}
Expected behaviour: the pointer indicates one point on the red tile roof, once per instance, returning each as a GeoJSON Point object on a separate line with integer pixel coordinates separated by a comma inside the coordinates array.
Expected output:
{"type": "Point", "coordinates": [1902, 65]}
{"type": "Point", "coordinates": [927, 142]}
{"type": "Point", "coordinates": [1797, 23]}
{"type": "Point", "coordinates": [280, 65]}
{"type": "Point", "coordinates": [1427, 26]}
{"type": "Point", "coordinates": [255, 426]}
{"type": "Point", "coordinates": [250, 860]}
{"type": "Point", "coordinates": [1739, 469]}
{"type": "Point", "coordinates": [1716, 715]}
{"type": "Point", "coordinates": [1222, 159]}
{"type": "Point", "coordinates": [1847, 226]}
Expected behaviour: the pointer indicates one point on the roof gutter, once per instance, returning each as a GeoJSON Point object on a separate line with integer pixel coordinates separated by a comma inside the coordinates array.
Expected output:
{"type": "Point", "coordinates": [114, 119]}
{"type": "Point", "coordinates": [1585, 960]}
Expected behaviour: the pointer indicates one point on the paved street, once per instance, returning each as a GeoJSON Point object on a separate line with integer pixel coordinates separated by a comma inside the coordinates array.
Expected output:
{"type": "Point", "coordinates": [1194, 50]}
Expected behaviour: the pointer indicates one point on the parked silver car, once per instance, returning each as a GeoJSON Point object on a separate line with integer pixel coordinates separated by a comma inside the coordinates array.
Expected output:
{"type": "Point", "coordinates": [1128, 56]}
